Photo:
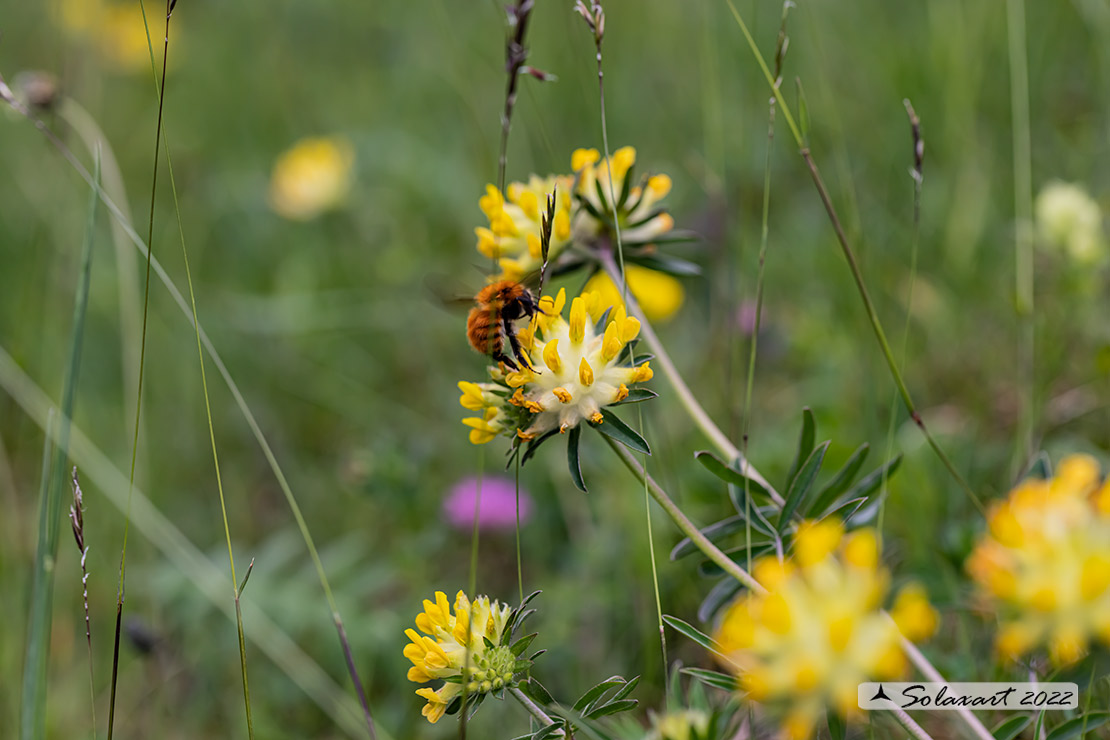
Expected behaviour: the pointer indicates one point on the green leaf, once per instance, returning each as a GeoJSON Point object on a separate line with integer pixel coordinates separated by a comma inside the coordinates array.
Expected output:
{"type": "Point", "coordinates": [805, 444]}
{"type": "Point", "coordinates": [738, 555]}
{"type": "Point", "coordinates": [802, 484]}
{"type": "Point", "coordinates": [1079, 726]}
{"type": "Point", "coordinates": [626, 188]}
{"type": "Point", "coordinates": [712, 678]}
{"type": "Point", "coordinates": [759, 514]}
{"type": "Point", "coordinates": [535, 445]}
{"type": "Point", "coordinates": [668, 264]}
{"type": "Point", "coordinates": [838, 728]}
{"type": "Point", "coordinates": [590, 697]}
{"type": "Point", "coordinates": [1040, 467]}
{"type": "Point", "coordinates": [536, 691]}
{"type": "Point", "coordinates": [841, 480]}
{"type": "Point", "coordinates": [636, 395]}
{"type": "Point", "coordinates": [517, 617]}
{"type": "Point", "coordinates": [548, 731]}
{"type": "Point", "coordinates": [1011, 727]}
{"type": "Point", "coordinates": [574, 464]}
{"type": "Point", "coordinates": [522, 644]}
{"type": "Point", "coordinates": [689, 631]}
{"type": "Point", "coordinates": [628, 688]}
{"type": "Point", "coordinates": [803, 109]}
{"type": "Point", "coordinates": [714, 533]}
{"type": "Point", "coordinates": [718, 596]}
{"type": "Point", "coordinates": [728, 474]}
{"type": "Point", "coordinates": [613, 707]}
{"type": "Point", "coordinates": [618, 431]}
{"type": "Point", "coordinates": [869, 483]}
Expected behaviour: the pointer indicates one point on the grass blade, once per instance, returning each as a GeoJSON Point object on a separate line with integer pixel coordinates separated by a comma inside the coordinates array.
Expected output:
{"type": "Point", "coordinates": [33, 709]}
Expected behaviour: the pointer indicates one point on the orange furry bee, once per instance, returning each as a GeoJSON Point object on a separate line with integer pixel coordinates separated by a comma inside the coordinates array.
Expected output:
{"type": "Point", "coordinates": [490, 322]}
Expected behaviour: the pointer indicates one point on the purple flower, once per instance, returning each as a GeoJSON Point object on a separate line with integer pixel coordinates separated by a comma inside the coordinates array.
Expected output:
{"type": "Point", "coordinates": [497, 508]}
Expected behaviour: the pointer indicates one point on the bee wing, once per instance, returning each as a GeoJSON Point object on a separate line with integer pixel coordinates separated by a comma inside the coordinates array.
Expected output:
{"type": "Point", "coordinates": [445, 292]}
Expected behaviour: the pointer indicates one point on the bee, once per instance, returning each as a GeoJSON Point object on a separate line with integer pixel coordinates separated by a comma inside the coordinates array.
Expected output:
{"type": "Point", "coordinates": [490, 323]}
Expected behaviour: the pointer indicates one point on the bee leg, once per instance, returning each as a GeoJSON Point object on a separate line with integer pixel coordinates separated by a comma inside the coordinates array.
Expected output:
{"type": "Point", "coordinates": [500, 356]}
{"type": "Point", "coordinates": [514, 343]}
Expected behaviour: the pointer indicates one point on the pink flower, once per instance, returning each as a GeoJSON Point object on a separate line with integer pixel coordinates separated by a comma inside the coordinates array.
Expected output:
{"type": "Point", "coordinates": [497, 507]}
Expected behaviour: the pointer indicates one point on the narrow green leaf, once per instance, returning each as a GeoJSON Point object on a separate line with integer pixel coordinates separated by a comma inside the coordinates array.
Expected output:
{"type": "Point", "coordinates": [613, 707]}
{"type": "Point", "coordinates": [718, 596]}
{"type": "Point", "coordinates": [714, 533]}
{"type": "Point", "coordinates": [535, 445]}
{"type": "Point", "coordinates": [522, 644]}
{"type": "Point", "coordinates": [803, 109]}
{"type": "Point", "coordinates": [574, 464]}
{"type": "Point", "coordinates": [738, 555]}
{"type": "Point", "coordinates": [714, 465]}
{"type": "Point", "coordinates": [802, 484]}
{"type": "Point", "coordinates": [591, 696]}
{"type": "Point", "coordinates": [689, 631]}
{"type": "Point", "coordinates": [805, 445]}
{"type": "Point", "coordinates": [1079, 726]}
{"type": "Point", "coordinates": [33, 705]}
{"type": "Point", "coordinates": [758, 513]}
{"type": "Point", "coordinates": [668, 264]}
{"type": "Point", "coordinates": [712, 678]}
{"type": "Point", "coordinates": [1011, 727]}
{"type": "Point", "coordinates": [1041, 467]}
{"type": "Point", "coordinates": [841, 480]}
{"type": "Point", "coordinates": [535, 689]}
{"type": "Point", "coordinates": [637, 395]}
{"type": "Point", "coordinates": [869, 483]}
{"type": "Point", "coordinates": [615, 429]}
{"type": "Point", "coordinates": [838, 728]}
{"type": "Point", "coordinates": [547, 731]}
{"type": "Point", "coordinates": [627, 689]}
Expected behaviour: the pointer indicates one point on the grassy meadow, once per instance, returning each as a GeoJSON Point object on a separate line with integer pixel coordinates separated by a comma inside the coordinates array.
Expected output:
{"type": "Point", "coordinates": [339, 327]}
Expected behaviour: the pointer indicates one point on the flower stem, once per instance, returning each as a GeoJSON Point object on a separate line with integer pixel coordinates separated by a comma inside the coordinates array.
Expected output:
{"type": "Point", "coordinates": [723, 444]}
{"type": "Point", "coordinates": [671, 508]}
{"type": "Point", "coordinates": [712, 552]}
{"type": "Point", "coordinates": [534, 710]}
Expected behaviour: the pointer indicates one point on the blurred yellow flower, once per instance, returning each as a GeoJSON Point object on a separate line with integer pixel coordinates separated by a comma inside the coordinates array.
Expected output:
{"type": "Point", "coordinates": [681, 724]}
{"type": "Point", "coordinates": [1068, 218]}
{"type": "Point", "coordinates": [1044, 564]}
{"type": "Point", "coordinates": [818, 632]}
{"type": "Point", "coordinates": [600, 182]}
{"type": "Point", "coordinates": [115, 28]}
{"type": "Point", "coordinates": [660, 295]}
{"type": "Point", "coordinates": [465, 644]}
{"type": "Point", "coordinates": [311, 177]}
{"type": "Point", "coordinates": [515, 224]}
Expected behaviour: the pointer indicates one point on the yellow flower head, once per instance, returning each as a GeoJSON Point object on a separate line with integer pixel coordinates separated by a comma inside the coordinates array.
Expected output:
{"type": "Point", "coordinates": [601, 182]}
{"type": "Point", "coordinates": [312, 177]}
{"type": "Point", "coordinates": [660, 295]}
{"type": "Point", "coordinates": [818, 632]}
{"type": "Point", "coordinates": [1070, 219]}
{"type": "Point", "coordinates": [575, 372]}
{"type": "Point", "coordinates": [679, 724]}
{"type": "Point", "coordinates": [116, 29]}
{"type": "Point", "coordinates": [513, 237]}
{"type": "Point", "coordinates": [1044, 564]}
{"type": "Point", "coordinates": [455, 644]}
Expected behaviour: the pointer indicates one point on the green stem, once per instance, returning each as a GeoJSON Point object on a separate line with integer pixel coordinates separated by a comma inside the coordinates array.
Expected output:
{"type": "Point", "coordinates": [1023, 236]}
{"type": "Point", "coordinates": [685, 525]}
{"type": "Point", "coordinates": [849, 255]}
{"type": "Point", "coordinates": [723, 444]}
{"type": "Point", "coordinates": [715, 555]}
{"type": "Point", "coordinates": [534, 710]}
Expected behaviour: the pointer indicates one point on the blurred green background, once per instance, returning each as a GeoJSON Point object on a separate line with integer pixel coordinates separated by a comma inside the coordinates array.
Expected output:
{"type": "Point", "coordinates": [349, 358]}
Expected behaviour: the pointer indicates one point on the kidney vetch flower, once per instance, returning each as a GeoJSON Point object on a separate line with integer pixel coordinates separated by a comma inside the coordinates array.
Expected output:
{"type": "Point", "coordinates": [1044, 564]}
{"type": "Point", "coordinates": [818, 632]}
{"type": "Point", "coordinates": [464, 646]}
{"type": "Point", "coordinates": [516, 224]}
{"type": "Point", "coordinates": [577, 369]}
